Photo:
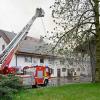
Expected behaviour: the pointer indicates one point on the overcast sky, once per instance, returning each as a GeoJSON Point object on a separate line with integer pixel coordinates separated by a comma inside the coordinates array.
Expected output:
{"type": "Point", "coordinates": [14, 15]}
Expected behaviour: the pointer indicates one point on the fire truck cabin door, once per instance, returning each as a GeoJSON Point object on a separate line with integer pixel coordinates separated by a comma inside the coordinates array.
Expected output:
{"type": "Point", "coordinates": [40, 77]}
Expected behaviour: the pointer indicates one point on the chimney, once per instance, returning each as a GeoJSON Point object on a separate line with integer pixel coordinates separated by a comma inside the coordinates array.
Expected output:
{"type": "Point", "coordinates": [41, 39]}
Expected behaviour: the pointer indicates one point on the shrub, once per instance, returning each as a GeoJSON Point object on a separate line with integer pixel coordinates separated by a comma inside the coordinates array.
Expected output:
{"type": "Point", "coordinates": [8, 85]}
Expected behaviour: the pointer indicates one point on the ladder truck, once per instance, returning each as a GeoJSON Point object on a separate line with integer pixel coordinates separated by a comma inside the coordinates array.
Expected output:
{"type": "Point", "coordinates": [7, 54]}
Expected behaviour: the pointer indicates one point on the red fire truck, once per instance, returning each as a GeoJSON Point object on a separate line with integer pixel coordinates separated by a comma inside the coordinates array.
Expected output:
{"type": "Point", "coordinates": [37, 75]}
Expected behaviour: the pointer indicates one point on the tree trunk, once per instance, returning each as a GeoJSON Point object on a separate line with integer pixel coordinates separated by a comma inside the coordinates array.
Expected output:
{"type": "Point", "coordinates": [96, 8]}
{"type": "Point", "coordinates": [92, 59]}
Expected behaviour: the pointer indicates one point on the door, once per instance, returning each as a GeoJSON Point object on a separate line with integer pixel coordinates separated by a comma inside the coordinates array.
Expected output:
{"type": "Point", "coordinates": [58, 72]}
{"type": "Point", "coordinates": [40, 77]}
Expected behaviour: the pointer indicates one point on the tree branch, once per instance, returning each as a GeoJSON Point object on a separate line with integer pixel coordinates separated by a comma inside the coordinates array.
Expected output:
{"type": "Point", "coordinates": [61, 38]}
{"type": "Point", "coordinates": [92, 4]}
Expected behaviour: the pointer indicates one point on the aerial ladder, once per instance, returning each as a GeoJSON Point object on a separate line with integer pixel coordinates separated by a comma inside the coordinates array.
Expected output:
{"type": "Point", "coordinates": [7, 54]}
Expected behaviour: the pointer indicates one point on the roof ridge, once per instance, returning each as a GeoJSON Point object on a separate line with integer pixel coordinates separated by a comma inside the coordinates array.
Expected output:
{"type": "Point", "coordinates": [11, 35]}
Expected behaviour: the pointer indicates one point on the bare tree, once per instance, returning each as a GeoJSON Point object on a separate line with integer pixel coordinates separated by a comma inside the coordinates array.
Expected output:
{"type": "Point", "coordinates": [77, 20]}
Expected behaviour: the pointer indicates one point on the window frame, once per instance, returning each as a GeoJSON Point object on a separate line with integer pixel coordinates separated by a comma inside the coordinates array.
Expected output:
{"type": "Point", "coordinates": [26, 59]}
{"type": "Point", "coordinates": [42, 60]}
{"type": "Point", "coordinates": [64, 69]}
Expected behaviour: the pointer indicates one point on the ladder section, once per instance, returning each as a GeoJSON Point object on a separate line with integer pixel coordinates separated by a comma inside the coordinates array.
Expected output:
{"type": "Point", "coordinates": [22, 34]}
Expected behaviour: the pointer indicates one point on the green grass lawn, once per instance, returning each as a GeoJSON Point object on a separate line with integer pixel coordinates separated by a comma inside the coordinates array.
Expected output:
{"type": "Point", "coordinates": [65, 92]}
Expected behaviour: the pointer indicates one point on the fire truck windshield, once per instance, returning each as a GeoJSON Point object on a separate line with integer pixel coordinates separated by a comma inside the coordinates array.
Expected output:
{"type": "Point", "coordinates": [29, 71]}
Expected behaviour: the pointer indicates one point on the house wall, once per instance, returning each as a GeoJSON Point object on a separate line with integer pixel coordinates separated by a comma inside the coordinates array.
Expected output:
{"type": "Point", "coordinates": [2, 42]}
{"type": "Point", "coordinates": [86, 66]}
{"type": "Point", "coordinates": [55, 64]}
{"type": "Point", "coordinates": [63, 74]}
{"type": "Point", "coordinates": [83, 64]}
{"type": "Point", "coordinates": [19, 61]}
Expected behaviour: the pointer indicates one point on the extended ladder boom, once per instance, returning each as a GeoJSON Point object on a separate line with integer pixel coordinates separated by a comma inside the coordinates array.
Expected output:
{"type": "Point", "coordinates": [7, 53]}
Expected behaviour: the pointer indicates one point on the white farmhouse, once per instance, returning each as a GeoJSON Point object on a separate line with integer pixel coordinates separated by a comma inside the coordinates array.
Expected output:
{"type": "Point", "coordinates": [32, 51]}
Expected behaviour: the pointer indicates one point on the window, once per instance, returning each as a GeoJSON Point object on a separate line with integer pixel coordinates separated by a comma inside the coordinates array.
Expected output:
{"type": "Point", "coordinates": [35, 61]}
{"type": "Point", "coordinates": [3, 47]}
{"type": "Point", "coordinates": [28, 59]}
{"type": "Point", "coordinates": [51, 61]}
{"type": "Point", "coordinates": [41, 60]}
{"type": "Point", "coordinates": [63, 69]}
{"type": "Point", "coordinates": [62, 61]}
{"type": "Point", "coordinates": [40, 74]}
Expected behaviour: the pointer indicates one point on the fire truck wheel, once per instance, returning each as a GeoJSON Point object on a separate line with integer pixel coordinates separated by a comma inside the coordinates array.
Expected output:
{"type": "Point", "coordinates": [46, 82]}
{"type": "Point", "coordinates": [34, 86]}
